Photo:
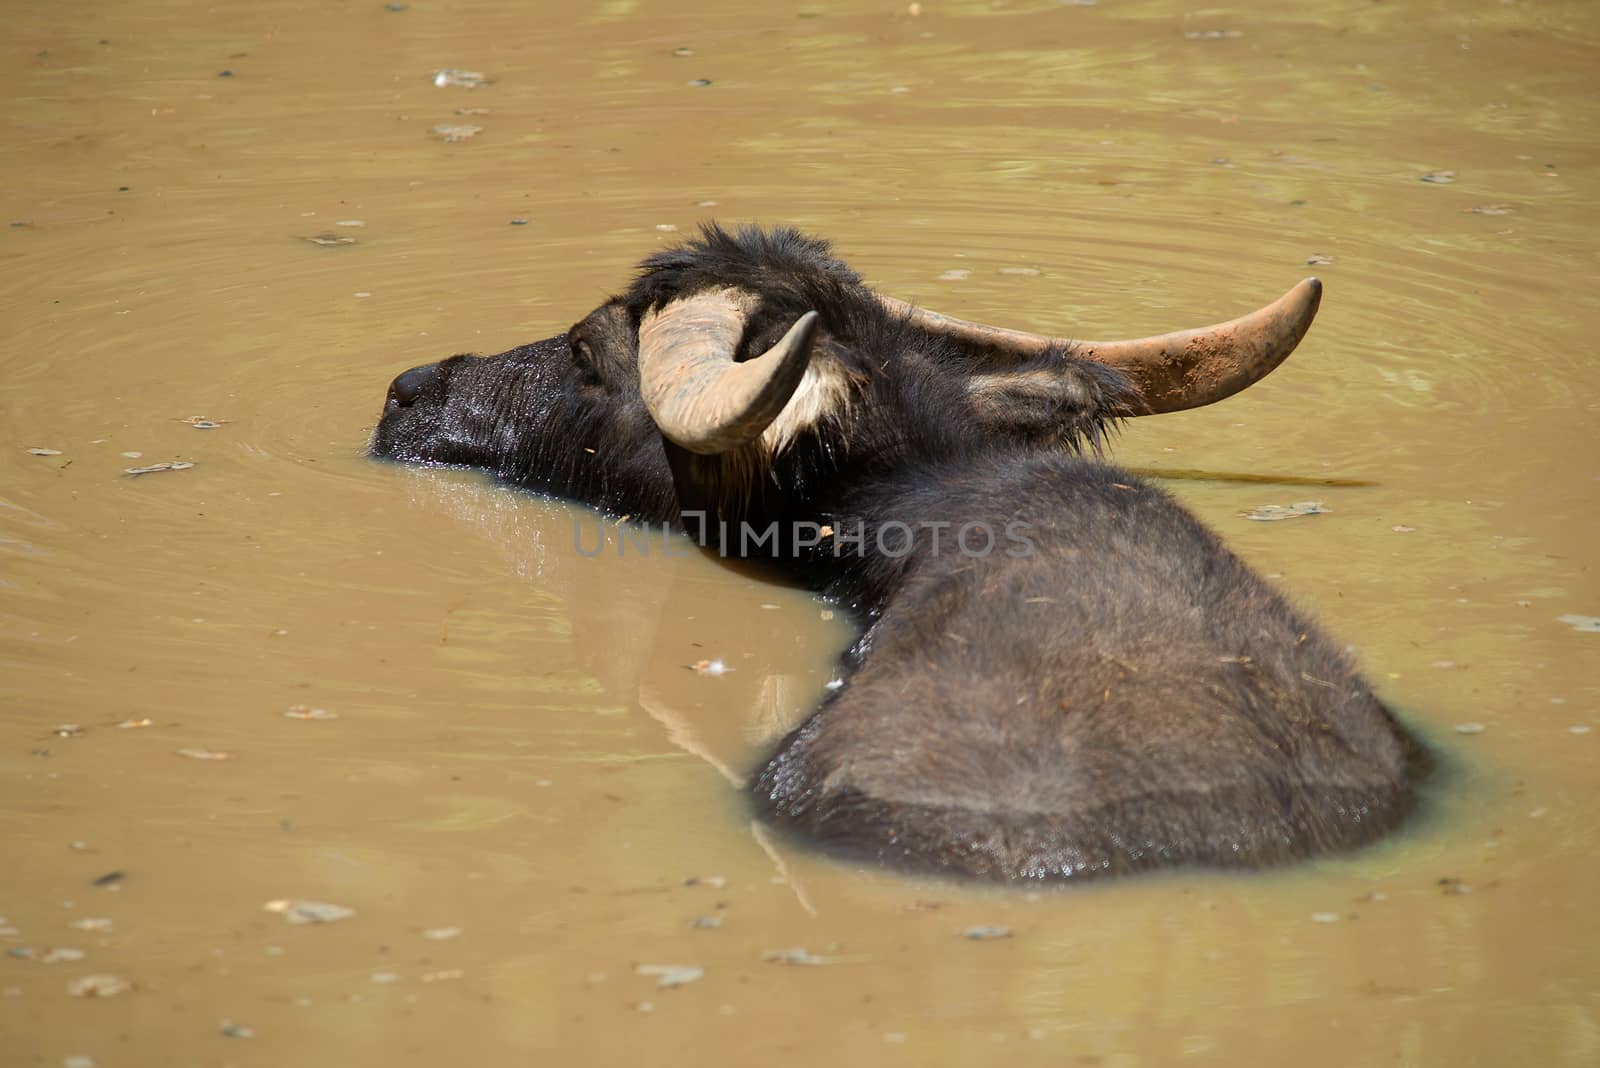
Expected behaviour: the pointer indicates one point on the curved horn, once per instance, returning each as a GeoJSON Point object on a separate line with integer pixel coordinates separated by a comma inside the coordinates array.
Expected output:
{"type": "Point", "coordinates": [1171, 372]}
{"type": "Point", "coordinates": [698, 397]}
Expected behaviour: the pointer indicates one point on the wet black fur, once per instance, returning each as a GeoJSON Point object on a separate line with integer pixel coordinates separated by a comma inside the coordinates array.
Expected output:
{"type": "Point", "coordinates": [1129, 695]}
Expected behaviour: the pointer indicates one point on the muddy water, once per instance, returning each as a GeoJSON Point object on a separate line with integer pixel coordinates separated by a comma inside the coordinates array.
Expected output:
{"type": "Point", "coordinates": [520, 749]}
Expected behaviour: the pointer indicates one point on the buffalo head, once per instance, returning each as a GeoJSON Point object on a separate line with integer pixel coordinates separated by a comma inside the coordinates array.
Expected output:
{"type": "Point", "coordinates": [745, 373]}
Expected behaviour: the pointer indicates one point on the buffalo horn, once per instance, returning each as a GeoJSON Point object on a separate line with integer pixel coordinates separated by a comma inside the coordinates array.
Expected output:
{"type": "Point", "coordinates": [1170, 372]}
{"type": "Point", "coordinates": [698, 396]}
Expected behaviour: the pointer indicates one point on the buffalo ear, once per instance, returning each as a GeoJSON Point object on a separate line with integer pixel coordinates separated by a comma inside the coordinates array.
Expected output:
{"type": "Point", "coordinates": [1045, 401]}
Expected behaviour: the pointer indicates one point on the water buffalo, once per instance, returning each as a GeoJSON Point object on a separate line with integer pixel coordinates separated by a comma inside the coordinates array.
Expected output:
{"type": "Point", "coordinates": [1062, 672]}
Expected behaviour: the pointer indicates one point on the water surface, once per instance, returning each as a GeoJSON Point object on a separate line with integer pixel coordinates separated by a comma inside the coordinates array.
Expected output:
{"type": "Point", "coordinates": [521, 750]}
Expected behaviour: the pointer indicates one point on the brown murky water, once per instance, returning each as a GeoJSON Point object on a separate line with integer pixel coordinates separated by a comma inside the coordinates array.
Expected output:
{"type": "Point", "coordinates": [519, 752]}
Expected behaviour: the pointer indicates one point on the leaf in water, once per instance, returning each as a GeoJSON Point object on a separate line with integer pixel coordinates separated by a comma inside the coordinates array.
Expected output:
{"type": "Point", "coordinates": [668, 975]}
{"type": "Point", "coordinates": [330, 240]}
{"type": "Point", "coordinates": [55, 955]}
{"type": "Point", "coordinates": [98, 986]}
{"type": "Point", "coordinates": [307, 712]}
{"type": "Point", "coordinates": [1268, 513]}
{"type": "Point", "coordinates": [460, 79]}
{"type": "Point", "coordinates": [205, 754]}
{"type": "Point", "coordinates": [1587, 624]}
{"type": "Point", "coordinates": [442, 975]}
{"type": "Point", "coordinates": [796, 955]}
{"type": "Point", "coordinates": [300, 912]}
{"type": "Point", "coordinates": [456, 132]}
{"type": "Point", "coordinates": [1439, 177]}
{"type": "Point", "coordinates": [175, 465]}
{"type": "Point", "coordinates": [985, 934]}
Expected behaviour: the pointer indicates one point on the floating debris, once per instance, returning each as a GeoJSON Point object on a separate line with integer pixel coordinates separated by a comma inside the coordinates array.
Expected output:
{"type": "Point", "coordinates": [666, 228]}
{"type": "Point", "coordinates": [1579, 728]}
{"type": "Point", "coordinates": [699, 83]}
{"type": "Point", "coordinates": [77, 1060]}
{"type": "Point", "coordinates": [706, 922]}
{"type": "Point", "coordinates": [1269, 513]}
{"type": "Point", "coordinates": [1318, 259]}
{"type": "Point", "coordinates": [307, 712]}
{"type": "Point", "coordinates": [98, 924]}
{"type": "Point", "coordinates": [442, 975]}
{"type": "Point", "coordinates": [330, 240]}
{"type": "Point", "coordinates": [1587, 624]}
{"type": "Point", "coordinates": [1470, 728]}
{"type": "Point", "coordinates": [1439, 177]}
{"type": "Point", "coordinates": [680, 52]}
{"type": "Point", "coordinates": [1023, 272]}
{"type": "Point", "coordinates": [110, 878]}
{"type": "Point", "coordinates": [351, 222]}
{"type": "Point", "coordinates": [1211, 35]}
{"type": "Point", "coordinates": [200, 422]}
{"type": "Point", "coordinates": [519, 222]}
{"type": "Point", "coordinates": [1489, 209]}
{"type": "Point", "coordinates": [153, 469]}
{"type": "Point", "coordinates": [1451, 884]}
{"type": "Point", "coordinates": [44, 452]}
{"type": "Point", "coordinates": [455, 132]}
{"type": "Point", "coordinates": [711, 668]}
{"type": "Point", "coordinates": [439, 934]}
{"type": "Point", "coordinates": [133, 454]}
{"type": "Point", "coordinates": [131, 724]}
{"type": "Point", "coordinates": [716, 882]}
{"type": "Point", "coordinates": [1324, 917]}
{"type": "Point", "coordinates": [68, 730]}
{"type": "Point", "coordinates": [796, 955]}
{"type": "Point", "coordinates": [472, 111]}
{"type": "Point", "coordinates": [986, 933]}
{"type": "Point", "coordinates": [450, 77]}
{"type": "Point", "coordinates": [385, 978]}
{"type": "Point", "coordinates": [205, 754]}
{"type": "Point", "coordinates": [1401, 528]}
{"type": "Point", "coordinates": [237, 1030]}
{"type": "Point", "coordinates": [669, 975]}
{"type": "Point", "coordinates": [98, 986]}
{"type": "Point", "coordinates": [299, 912]}
{"type": "Point", "coordinates": [56, 955]}
{"type": "Point", "coordinates": [955, 274]}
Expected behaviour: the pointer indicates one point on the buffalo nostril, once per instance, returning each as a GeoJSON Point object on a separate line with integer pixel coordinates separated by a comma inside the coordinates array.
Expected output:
{"type": "Point", "coordinates": [404, 390]}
